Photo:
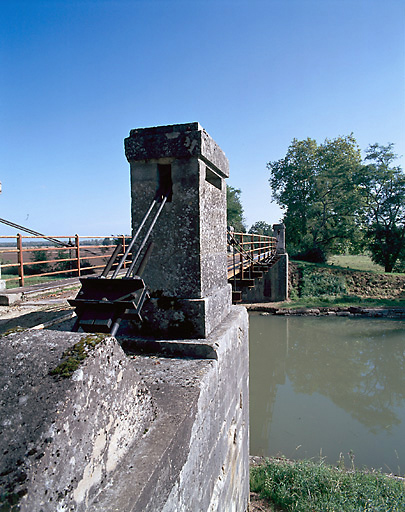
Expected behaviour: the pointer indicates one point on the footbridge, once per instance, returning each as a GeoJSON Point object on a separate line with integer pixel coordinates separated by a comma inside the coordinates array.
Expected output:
{"type": "Point", "coordinates": [257, 265]}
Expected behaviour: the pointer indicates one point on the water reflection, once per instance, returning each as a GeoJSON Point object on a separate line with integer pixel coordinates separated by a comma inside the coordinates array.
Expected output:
{"type": "Point", "coordinates": [328, 384]}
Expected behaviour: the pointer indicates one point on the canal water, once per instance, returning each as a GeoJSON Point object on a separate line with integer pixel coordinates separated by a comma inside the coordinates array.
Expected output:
{"type": "Point", "coordinates": [328, 387]}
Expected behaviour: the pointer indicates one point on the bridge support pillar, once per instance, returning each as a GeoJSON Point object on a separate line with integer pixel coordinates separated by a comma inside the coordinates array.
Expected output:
{"type": "Point", "coordinates": [278, 274]}
{"type": "Point", "coordinates": [187, 270]}
{"type": "Point", "coordinates": [191, 316]}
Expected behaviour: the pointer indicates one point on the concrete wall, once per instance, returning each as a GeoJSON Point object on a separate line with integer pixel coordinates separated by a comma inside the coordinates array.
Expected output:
{"type": "Point", "coordinates": [273, 286]}
{"type": "Point", "coordinates": [125, 433]}
{"type": "Point", "coordinates": [61, 438]}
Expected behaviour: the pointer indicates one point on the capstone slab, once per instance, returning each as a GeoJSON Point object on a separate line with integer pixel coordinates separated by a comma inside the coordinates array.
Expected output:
{"type": "Point", "coordinates": [175, 141]}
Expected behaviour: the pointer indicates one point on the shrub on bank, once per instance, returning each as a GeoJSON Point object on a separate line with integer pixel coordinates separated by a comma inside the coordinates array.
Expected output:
{"type": "Point", "coordinates": [329, 283]}
{"type": "Point", "coordinates": [306, 486]}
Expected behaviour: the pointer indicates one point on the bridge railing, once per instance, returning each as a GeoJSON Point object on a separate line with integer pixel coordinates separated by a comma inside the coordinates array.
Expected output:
{"type": "Point", "coordinates": [247, 249]}
{"type": "Point", "coordinates": [24, 258]}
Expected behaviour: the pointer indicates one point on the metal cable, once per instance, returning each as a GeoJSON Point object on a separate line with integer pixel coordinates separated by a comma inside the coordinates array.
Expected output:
{"type": "Point", "coordinates": [35, 233]}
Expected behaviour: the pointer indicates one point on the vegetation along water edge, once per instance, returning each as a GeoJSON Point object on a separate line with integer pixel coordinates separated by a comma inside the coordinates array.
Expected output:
{"type": "Point", "coordinates": [332, 289]}
{"type": "Point", "coordinates": [313, 486]}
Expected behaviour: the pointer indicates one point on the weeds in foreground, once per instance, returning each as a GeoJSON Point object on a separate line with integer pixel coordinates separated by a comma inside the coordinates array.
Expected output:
{"type": "Point", "coordinates": [306, 486]}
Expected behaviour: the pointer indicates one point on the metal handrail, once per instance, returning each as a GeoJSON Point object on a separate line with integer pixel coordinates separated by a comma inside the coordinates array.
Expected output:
{"type": "Point", "coordinates": [251, 249]}
{"type": "Point", "coordinates": [81, 253]}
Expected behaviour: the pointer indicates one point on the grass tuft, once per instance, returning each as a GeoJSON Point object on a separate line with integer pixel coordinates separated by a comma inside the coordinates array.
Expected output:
{"type": "Point", "coordinates": [307, 486]}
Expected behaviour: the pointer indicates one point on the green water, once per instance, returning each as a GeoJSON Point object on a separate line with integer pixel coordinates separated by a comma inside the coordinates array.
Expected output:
{"type": "Point", "coordinates": [328, 386]}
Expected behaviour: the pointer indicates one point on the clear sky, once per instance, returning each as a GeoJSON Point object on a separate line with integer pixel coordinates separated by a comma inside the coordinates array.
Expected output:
{"type": "Point", "coordinates": [76, 76]}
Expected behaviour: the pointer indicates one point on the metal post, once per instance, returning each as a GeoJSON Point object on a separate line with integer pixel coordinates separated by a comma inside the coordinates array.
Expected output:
{"type": "Point", "coordinates": [77, 244]}
{"type": "Point", "coordinates": [20, 259]}
{"type": "Point", "coordinates": [252, 253]}
{"type": "Point", "coordinates": [260, 248]}
{"type": "Point", "coordinates": [123, 250]}
{"type": "Point", "coordinates": [241, 258]}
{"type": "Point", "coordinates": [234, 266]}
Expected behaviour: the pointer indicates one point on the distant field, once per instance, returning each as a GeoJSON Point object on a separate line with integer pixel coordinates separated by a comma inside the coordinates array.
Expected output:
{"type": "Point", "coordinates": [29, 280]}
{"type": "Point", "coordinates": [358, 262]}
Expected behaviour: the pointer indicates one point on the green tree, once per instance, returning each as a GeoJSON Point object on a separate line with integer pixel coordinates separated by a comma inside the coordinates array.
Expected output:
{"type": "Point", "coordinates": [315, 186]}
{"type": "Point", "coordinates": [261, 228]}
{"type": "Point", "coordinates": [234, 209]}
{"type": "Point", "coordinates": [382, 186]}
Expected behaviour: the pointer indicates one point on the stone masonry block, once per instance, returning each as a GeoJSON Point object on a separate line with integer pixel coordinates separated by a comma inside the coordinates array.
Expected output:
{"type": "Point", "coordinates": [63, 438]}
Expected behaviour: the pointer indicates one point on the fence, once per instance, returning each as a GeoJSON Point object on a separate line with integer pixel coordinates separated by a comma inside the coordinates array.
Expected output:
{"type": "Point", "coordinates": [246, 249]}
{"type": "Point", "coordinates": [82, 254]}
{"type": "Point", "coordinates": [78, 255]}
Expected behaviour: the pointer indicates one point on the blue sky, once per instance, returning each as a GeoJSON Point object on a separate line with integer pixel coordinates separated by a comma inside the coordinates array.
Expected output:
{"type": "Point", "coordinates": [76, 76]}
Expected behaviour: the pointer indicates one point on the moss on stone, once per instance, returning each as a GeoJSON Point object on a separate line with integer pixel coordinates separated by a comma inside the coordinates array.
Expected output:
{"type": "Point", "coordinates": [13, 330]}
{"type": "Point", "coordinates": [76, 354]}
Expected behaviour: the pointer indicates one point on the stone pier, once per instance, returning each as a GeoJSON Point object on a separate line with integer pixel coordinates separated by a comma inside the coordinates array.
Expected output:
{"type": "Point", "coordinates": [153, 421]}
{"type": "Point", "coordinates": [186, 273]}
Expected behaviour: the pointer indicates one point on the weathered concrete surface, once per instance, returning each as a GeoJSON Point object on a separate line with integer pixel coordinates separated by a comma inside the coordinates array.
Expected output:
{"type": "Point", "coordinates": [175, 141]}
{"type": "Point", "coordinates": [61, 438]}
{"type": "Point", "coordinates": [188, 262]}
{"type": "Point", "coordinates": [272, 287]}
{"type": "Point", "coordinates": [124, 434]}
{"type": "Point", "coordinates": [197, 454]}
{"type": "Point", "coordinates": [9, 297]}
{"type": "Point", "coordinates": [169, 317]}
{"type": "Point", "coordinates": [279, 234]}
{"type": "Point", "coordinates": [276, 282]}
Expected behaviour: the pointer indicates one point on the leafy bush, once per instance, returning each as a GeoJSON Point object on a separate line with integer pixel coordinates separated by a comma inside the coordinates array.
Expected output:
{"type": "Point", "coordinates": [37, 268]}
{"type": "Point", "coordinates": [8, 270]}
{"type": "Point", "coordinates": [317, 284]}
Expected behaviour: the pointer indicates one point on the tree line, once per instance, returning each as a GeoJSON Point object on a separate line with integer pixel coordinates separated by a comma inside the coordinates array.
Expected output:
{"type": "Point", "coordinates": [334, 202]}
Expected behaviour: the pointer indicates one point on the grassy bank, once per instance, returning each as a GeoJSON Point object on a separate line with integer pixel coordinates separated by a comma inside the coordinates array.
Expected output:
{"type": "Point", "coordinates": [362, 284]}
{"type": "Point", "coordinates": [306, 486]}
{"type": "Point", "coordinates": [355, 262]}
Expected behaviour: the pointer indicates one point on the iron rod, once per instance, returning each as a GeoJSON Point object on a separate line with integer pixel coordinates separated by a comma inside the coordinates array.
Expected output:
{"type": "Point", "coordinates": [144, 260]}
{"type": "Point", "coordinates": [131, 244]}
{"type": "Point", "coordinates": [131, 268]}
{"type": "Point", "coordinates": [112, 259]}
